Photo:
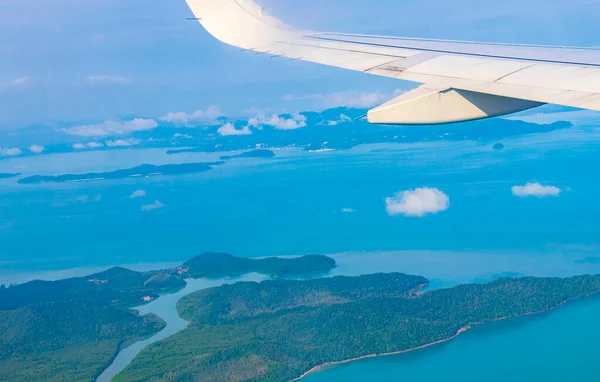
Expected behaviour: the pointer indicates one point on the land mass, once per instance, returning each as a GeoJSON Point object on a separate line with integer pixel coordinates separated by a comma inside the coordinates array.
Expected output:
{"type": "Point", "coordinates": [139, 171]}
{"type": "Point", "coordinates": [259, 153]}
{"type": "Point", "coordinates": [589, 260]}
{"type": "Point", "coordinates": [343, 128]}
{"type": "Point", "coordinates": [71, 329]}
{"type": "Point", "coordinates": [218, 265]}
{"type": "Point", "coordinates": [280, 330]}
{"type": "Point", "coordinates": [7, 175]}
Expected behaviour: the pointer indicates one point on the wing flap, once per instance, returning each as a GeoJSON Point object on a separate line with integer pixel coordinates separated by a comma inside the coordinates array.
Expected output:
{"type": "Point", "coordinates": [553, 76]}
{"type": "Point", "coordinates": [479, 69]}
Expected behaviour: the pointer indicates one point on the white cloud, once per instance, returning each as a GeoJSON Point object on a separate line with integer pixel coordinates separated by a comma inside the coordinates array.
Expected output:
{"type": "Point", "coordinates": [109, 79]}
{"type": "Point", "coordinates": [37, 149]}
{"type": "Point", "coordinates": [154, 206]}
{"type": "Point", "coordinates": [137, 194]}
{"type": "Point", "coordinates": [109, 128]}
{"type": "Point", "coordinates": [228, 129]}
{"type": "Point", "coordinates": [123, 142]}
{"type": "Point", "coordinates": [11, 152]}
{"type": "Point", "coordinates": [183, 136]}
{"type": "Point", "coordinates": [343, 118]}
{"type": "Point", "coordinates": [576, 117]}
{"type": "Point", "coordinates": [296, 121]}
{"type": "Point", "coordinates": [15, 83]}
{"type": "Point", "coordinates": [418, 202]}
{"type": "Point", "coordinates": [348, 210]}
{"type": "Point", "coordinates": [20, 81]}
{"type": "Point", "coordinates": [89, 145]}
{"type": "Point", "coordinates": [349, 98]}
{"type": "Point", "coordinates": [183, 118]}
{"type": "Point", "coordinates": [535, 189]}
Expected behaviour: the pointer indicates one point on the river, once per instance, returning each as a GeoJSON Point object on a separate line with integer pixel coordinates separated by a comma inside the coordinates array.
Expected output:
{"type": "Point", "coordinates": [442, 268]}
{"type": "Point", "coordinates": [165, 307]}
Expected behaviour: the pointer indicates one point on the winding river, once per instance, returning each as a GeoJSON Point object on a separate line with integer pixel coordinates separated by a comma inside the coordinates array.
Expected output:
{"type": "Point", "coordinates": [165, 307]}
{"type": "Point", "coordinates": [444, 269]}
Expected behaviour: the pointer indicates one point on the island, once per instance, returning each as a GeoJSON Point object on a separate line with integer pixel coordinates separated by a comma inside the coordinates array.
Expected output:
{"type": "Point", "coordinates": [341, 129]}
{"type": "Point", "coordinates": [8, 175]}
{"type": "Point", "coordinates": [72, 329]}
{"type": "Point", "coordinates": [139, 171]}
{"type": "Point", "coordinates": [592, 260]}
{"type": "Point", "coordinates": [218, 265]}
{"type": "Point", "coordinates": [259, 153]}
{"type": "Point", "coordinates": [284, 329]}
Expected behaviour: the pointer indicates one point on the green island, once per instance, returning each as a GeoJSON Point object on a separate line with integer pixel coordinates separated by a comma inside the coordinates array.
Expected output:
{"type": "Point", "coordinates": [218, 265]}
{"type": "Point", "coordinates": [72, 329]}
{"type": "Point", "coordinates": [281, 330]}
{"type": "Point", "coordinates": [139, 171]}
{"type": "Point", "coordinates": [8, 175]}
{"type": "Point", "coordinates": [258, 153]}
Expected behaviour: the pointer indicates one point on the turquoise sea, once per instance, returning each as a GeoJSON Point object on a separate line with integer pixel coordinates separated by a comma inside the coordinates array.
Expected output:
{"type": "Point", "coordinates": [554, 347]}
{"type": "Point", "coordinates": [293, 205]}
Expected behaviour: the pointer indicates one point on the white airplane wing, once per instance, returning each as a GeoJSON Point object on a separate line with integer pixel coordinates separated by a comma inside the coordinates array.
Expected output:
{"type": "Point", "coordinates": [461, 80]}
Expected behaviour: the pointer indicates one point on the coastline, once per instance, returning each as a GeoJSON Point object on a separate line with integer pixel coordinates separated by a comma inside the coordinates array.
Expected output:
{"type": "Point", "coordinates": [462, 330]}
{"type": "Point", "coordinates": [323, 366]}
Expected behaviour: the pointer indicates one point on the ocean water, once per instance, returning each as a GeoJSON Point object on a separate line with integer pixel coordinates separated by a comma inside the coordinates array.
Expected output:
{"type": "Point", "coordinates": [293, 204]}
{"type": "Point", "coordinates": [554, 347]}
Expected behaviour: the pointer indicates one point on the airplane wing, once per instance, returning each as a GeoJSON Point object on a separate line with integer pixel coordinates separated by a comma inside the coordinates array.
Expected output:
{"type": "Point", "coordinates": [461, 80]}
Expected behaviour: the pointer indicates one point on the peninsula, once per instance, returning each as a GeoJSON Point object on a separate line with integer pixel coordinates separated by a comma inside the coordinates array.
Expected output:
{"type": "Point", "coordinates": [280, 330]}
{"type": "Point", "coordinates": [275, 330]}
{"type": "Point", "coordinates": [71, 329]}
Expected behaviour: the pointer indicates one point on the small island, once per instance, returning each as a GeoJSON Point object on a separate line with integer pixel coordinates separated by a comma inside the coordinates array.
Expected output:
{"type": "Point", "coordinates": [259, 153]}
{"type": "Point", "coordinates": [8, 175]}
{"type": "Point", "coordinates": [218, 265]}
{"type": "Point", "coordinates": [72, 329]}
{"type": "Point", "coordinates": [139, 171]}
{"type": "Point", "coordinates": [592, 260]}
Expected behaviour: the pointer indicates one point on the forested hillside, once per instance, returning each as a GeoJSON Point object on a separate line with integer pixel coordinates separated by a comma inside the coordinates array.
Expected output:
{"type": "Point", "coordinates": [277, 330]}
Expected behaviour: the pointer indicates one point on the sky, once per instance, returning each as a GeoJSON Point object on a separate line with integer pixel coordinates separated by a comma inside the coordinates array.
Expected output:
{"type": "Point", "coordinates": [71, 62]}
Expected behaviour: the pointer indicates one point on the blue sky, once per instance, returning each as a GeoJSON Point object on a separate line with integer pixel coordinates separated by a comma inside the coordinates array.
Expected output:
{"type": "Point", "coordinates": [67, 62]}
